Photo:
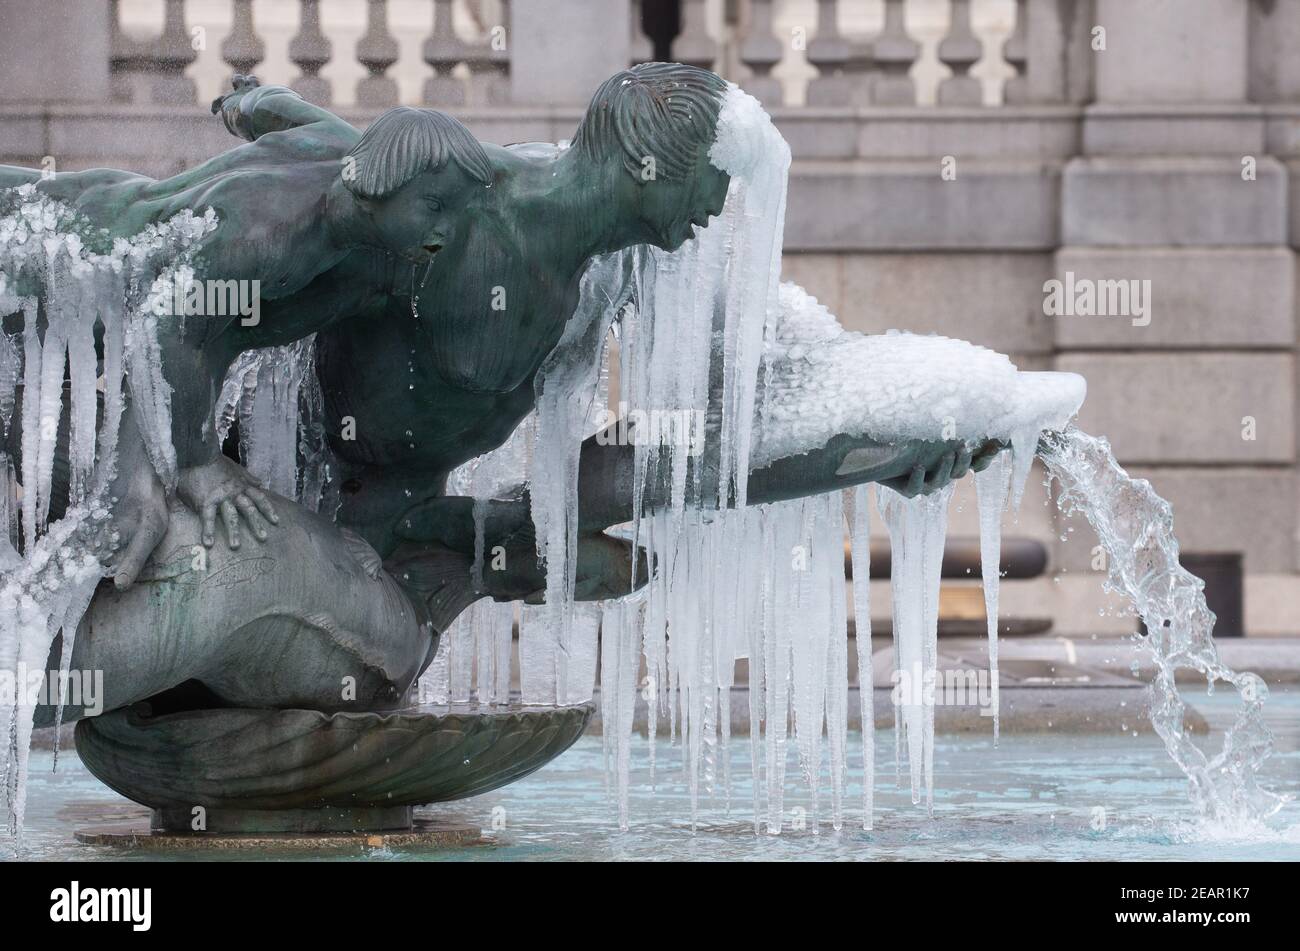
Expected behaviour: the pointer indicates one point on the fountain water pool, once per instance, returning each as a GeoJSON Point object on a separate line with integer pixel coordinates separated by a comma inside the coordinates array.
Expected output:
{"type": "Point", "coordinates": [1035, 797]}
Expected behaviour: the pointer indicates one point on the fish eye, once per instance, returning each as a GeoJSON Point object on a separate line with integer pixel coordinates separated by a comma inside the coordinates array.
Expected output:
{"type": "Point", "coordinates": [433, 202]}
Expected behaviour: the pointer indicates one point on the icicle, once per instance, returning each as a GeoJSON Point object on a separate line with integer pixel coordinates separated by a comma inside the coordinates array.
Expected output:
{"type": "Point", "coordinates": [576, 674]}
{"type": "Point", "coordinates": [435, 682]}
{"type": "Point", "coordinates": [31, 423]}
{"type": "Point", "coordinates": [537, 670]}
{"type": "Point", "coordinates": [809, 646]}
{"type": "Point", "coordinates": [1024, 443]}
{"type": "Point", "coordinates": [269, 415]}
{"type": "Point", "coordinates": [860, 534]}
{"type": "Point", "coordinates": [784, 524]}
{"type": "Point", "coordinates": [991, 497]}
{"type": "Point", "coordinates": [917, 528]}
{"type": "Point", "coordinates": [460, 658]}
{"type": "Point", "coordinates": [484, 651]}
{"type": "Point", "coordinates": [934, 512]}
{"type": "Point", "coordinates": [505, 639]}
{"type": "Point", "coordinates": [620, 659]}
{"type": "Point", "coordinates": [491, 625]}
{"type": "Point", "coordinates": [46, 588]}
{"type": "Point", "coordinates": [567, 387]}
{"type": "Point", "coordinates": [829, 552]}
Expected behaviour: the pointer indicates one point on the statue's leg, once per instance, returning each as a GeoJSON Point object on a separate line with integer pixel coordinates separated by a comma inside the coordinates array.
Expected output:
{"type": "Point", "coordinates": [441, 532]}
{"type": "Point", "coordinates": [307, 618]}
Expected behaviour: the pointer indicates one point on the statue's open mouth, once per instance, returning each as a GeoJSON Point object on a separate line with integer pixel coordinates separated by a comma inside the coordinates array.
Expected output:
{"type": "Point", "coordinates": [432, 248]}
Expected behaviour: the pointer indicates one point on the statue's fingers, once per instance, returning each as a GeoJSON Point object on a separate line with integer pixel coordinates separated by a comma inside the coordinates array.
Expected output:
{"type": "Point", "coordinates": [146, 539]}
{"type": "Point", "coordinates": [230, 517]}
{"type": "Point", "coordinates": [985, 455]}
{"type": "Point", "coordinates": [209, 518]}
{"type": "Point", "coordinates": [962, 465]}
{"type": "Point", "coordinates": [915, 482]}
{"type": "Point", "coordinates": [251, 516]}
{"type": "Point", "coordinates": [942, 474]}
{"type": "Point", "coordinates": [263, 504]}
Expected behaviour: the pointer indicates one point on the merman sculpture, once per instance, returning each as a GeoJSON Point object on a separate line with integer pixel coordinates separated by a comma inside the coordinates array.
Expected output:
{"type": "Point", "coordinates": [438, 275]}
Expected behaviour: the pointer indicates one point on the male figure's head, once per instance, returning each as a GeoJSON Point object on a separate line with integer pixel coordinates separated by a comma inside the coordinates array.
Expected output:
{"type": "Point", "coordinates": [411, 174]}
{"type": "Point", "coordinates": [654, 124]}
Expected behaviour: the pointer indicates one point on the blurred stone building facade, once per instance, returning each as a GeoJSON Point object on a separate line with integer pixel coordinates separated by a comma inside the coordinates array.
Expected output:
{"type": "Point", "coordinates": [952, 157]}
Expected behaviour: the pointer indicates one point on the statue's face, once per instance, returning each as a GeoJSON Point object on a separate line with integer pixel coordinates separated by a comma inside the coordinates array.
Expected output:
{"type": "Point", "coordinates": [419, 219]}
{"type": "Point", "coordinates": [669, 210]}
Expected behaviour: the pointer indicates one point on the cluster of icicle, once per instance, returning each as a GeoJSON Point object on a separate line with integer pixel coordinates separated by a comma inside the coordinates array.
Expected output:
{"type": "Point", "coordinates": [697, 330]}
{"type": "Point", "coordinates": [273, 394]}
{"type": "Point", "coordinates": [54, 266]}
{"type": "Point", "coordinates": [707, 330]}
{"type": "Point", "coordinates": [1135, 528]}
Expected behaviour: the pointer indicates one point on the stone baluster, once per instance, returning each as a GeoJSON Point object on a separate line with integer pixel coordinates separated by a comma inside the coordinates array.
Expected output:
{"type": "Point", "coordinates": [760, 51]}
{"type": "Point", "coordinates": [243, 48]}
{"type": "Point", "coordinates": [959, 51]}
{"type": "Point", "coordinates": [377, 51]}
{"type": "Point", "coordinates": [489, 63]}
{"type": "Point", "coordinates": [1016, 54]}
{"type": "Point", "coordinates": [154, 70]}
{"type": "Point", "coordinates": [828, 52]}
{"type": "Point", "coordinates": [442, 51]}
{"type": "Point", "coordinates": [310, 50]}
{"type": "Point", "coordinates": [639, 48]}
{"type": "Point", "coordinates": [843, 65]}
{"type": "Point", "coordinates": [895, 52]}
{"type": "Point", "coordinates": [693, 45]}
{"type": "Point", "coordinates": [123, 55]}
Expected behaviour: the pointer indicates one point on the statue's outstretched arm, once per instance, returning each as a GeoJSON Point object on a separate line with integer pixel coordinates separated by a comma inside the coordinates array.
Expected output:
{"type": "Point", "coordinates": [438, 553]}
{"type": "Point", "coordinates": [605, 473]}
{"type": "Point", "coordinates": [251, 110]}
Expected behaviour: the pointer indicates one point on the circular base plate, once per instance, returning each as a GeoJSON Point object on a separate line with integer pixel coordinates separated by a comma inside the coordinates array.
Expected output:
{"type": "Point", "coordinates": [425, 833]}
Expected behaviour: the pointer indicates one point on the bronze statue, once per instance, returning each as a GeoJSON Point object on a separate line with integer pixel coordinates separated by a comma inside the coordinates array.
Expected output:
{"type": "Point", "coordinates": [391, 246]}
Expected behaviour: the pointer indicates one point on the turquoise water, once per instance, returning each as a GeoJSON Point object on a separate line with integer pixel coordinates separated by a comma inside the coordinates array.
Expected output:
{"type": "Point", "coordinates": [1035, 796]}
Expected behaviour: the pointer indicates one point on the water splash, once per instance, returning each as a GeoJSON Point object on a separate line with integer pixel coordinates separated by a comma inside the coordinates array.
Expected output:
{"type": "Point", "coordinates": [1135, 528]}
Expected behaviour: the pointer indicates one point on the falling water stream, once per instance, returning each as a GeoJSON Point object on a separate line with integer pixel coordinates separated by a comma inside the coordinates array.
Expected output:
{"type": "Point", "coordinates": [1136, 529]}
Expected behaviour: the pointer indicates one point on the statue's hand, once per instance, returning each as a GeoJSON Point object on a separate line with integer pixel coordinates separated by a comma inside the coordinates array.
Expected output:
{"type": "Point", "coordinates": [227, 106]}
{"type": "Point", "coordinates": [929, 466]}
{"type": "Point", "coordinates": [139, 517]}
{"type": "Point", "coordinates": [226, 488]}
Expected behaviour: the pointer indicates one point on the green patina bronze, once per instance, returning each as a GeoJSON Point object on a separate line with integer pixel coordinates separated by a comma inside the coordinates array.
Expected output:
{"type": "Point", "coordinates": [397, 247]}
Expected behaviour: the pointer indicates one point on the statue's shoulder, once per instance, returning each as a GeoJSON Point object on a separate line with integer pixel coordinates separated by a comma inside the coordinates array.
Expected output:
{"type": "Point", "coordinates": [306, 143]}
{"type": "Point", "coordinates": [522, 156]}
{"type": "Point", "coordinates": [535, 151]}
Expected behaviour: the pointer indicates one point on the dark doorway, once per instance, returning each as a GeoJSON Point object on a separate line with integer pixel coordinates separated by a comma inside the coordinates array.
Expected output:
{"type": "Point", "coordinates": [1222, 574]}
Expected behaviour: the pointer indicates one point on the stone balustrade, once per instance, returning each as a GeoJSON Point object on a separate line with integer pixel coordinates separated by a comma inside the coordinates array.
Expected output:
{"type": "Point", "coordinates": [853, 53]}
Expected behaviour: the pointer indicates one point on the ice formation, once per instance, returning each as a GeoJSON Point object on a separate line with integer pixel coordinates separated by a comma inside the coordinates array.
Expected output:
{"type": "Point", "coordinates": [54, 265]}
{"type": "Point", "coordinates": [706, 330]}
{"type": "Point", "coordinates": [918, 387]}
{"type": "Point", "coordinates": [264, 392]}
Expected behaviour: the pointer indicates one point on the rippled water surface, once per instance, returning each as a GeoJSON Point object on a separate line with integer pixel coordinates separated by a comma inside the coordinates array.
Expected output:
{"type": "Point", "coordinates": [1037, 796]}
